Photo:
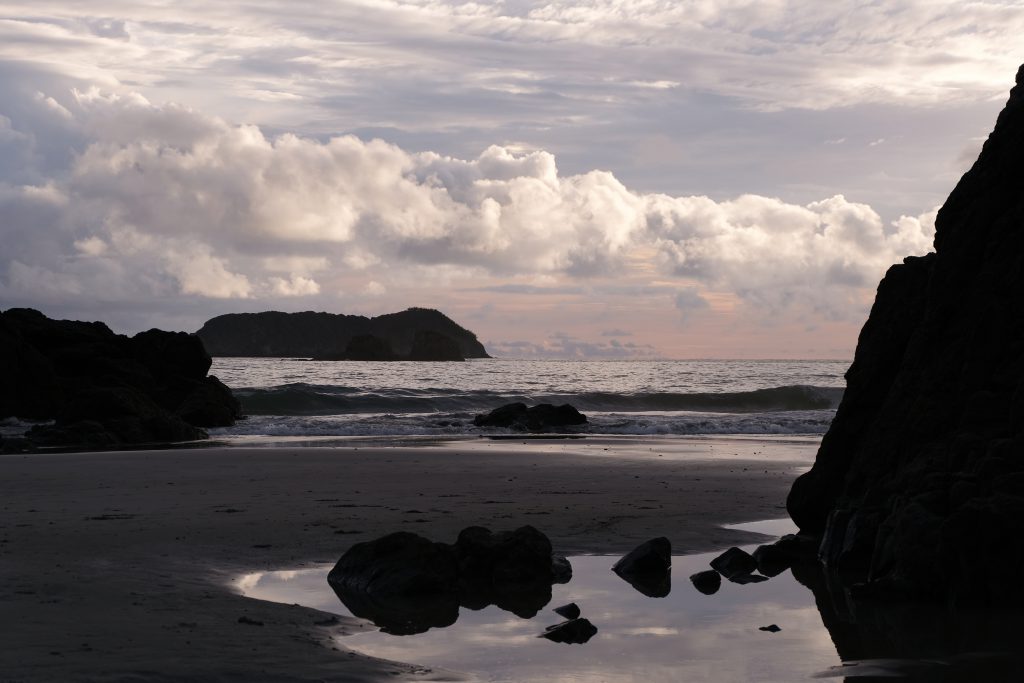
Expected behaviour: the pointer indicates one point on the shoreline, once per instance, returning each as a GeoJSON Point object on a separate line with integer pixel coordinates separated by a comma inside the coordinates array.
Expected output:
{"type": "Point", "coordinates": [130, 555]}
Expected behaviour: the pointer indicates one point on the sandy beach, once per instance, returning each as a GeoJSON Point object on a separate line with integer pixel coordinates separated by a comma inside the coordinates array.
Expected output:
{"type": "Point", "coordinates": [120, 566]}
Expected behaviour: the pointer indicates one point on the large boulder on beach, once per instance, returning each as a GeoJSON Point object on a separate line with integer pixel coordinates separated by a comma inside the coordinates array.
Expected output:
{"type": "Point", "coordinates": [543, 417]}
{"type": "Point", "coordinates": [103, 389]}
{"type": "Point", "coordinates": [918, 486]}
{"type": "Point", "coordinates": [405, 583]}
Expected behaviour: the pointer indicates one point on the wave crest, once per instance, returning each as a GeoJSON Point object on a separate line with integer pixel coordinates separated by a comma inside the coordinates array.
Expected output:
{"type": "Point", "coordinates": [312, 399]}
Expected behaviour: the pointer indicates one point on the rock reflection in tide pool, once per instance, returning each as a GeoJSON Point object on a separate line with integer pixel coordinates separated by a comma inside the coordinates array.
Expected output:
{"type": "Point", "coordinates": [694, 637]}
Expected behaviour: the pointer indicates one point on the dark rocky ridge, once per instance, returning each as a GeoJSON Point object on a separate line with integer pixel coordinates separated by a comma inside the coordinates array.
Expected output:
{"type": "Point", "coordinates": [104, 389]}
{"type": "Point", "coordinates": [919, 483]}
{"type": "Point", "coordinates": [421, 332]}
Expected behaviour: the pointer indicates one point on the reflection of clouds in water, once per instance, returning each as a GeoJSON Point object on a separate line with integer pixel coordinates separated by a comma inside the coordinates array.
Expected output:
{"type": "Point", "coordinates": [685, 636]}
{"type": "Point", "coordinates": [651, 631]}
{"type": "Point", "coordinates": [249, 581]}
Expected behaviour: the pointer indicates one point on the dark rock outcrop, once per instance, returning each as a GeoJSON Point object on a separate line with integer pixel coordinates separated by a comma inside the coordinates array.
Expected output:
{"type": "Point", "coordinates": [407, 584]}
{"type": "Point", "coordinates": [104, 389]}
{"type": "Point", "coordinates": [918, 485]}
{"type": "Point", "coordinates": [648, 567]}
{"type": "Point", "coordinates": [542, 417]}
{"type": "Point", "coordinates": [329, 336]}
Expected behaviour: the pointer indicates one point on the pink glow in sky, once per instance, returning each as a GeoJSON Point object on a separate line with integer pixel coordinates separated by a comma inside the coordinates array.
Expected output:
{"type": "Point", "coordinates": [567, 179]}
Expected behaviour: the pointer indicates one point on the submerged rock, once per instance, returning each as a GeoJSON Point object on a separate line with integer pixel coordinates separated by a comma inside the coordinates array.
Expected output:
{"type": "Point", "coordinates": [648, 567]}
{"type": "Point", "coordinates": [542, 417]}
{"type": "Point", "coordinates": [919, 482]}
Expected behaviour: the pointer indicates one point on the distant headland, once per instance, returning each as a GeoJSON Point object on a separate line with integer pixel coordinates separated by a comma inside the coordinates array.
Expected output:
{"type": "Point", "coordinates": [421, 334]}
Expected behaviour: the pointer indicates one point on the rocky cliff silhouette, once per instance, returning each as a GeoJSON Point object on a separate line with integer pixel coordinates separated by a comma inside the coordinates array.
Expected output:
{"type": "Point", "coordinates": [416, 333]}
{"type": "Point", "coordinates": [106, 390]}
{"type": "Point", "coordinates": [918, 486]}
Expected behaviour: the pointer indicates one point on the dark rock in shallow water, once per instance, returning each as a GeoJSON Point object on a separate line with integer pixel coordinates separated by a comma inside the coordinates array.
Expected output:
{"type": "Point", "coordinates": [648, 567]}
{"type": "Point", "coordinates": [918, 483]}
{"type": "Point", "coordinates": [105, 389]}
{"type": "Point", "coordinates": [771, 560]}
{"type": "Point", "coordinates": [707, 582]}
{"type": "Point", "coordinates": [561, 569]}
{"type": "Point", "coordinates": [572, 632]}
{"type": "Point", "coordinates": [407, 584]}
{"type": "Point", "coordinates": [402, 582]}
{"type": "Point", "coordinates": [570, 611]}
{"type": "Point", "coordinates": [513, 569]}
{"type": "Point", "coordinates": [210, 403]}
{"type": "Point", "coordinates": [542, 417]}
{"type": "Point", "coordinates": [733, 563]}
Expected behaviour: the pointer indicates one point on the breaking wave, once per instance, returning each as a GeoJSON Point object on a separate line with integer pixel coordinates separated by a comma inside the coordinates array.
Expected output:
{"type": "Point", "coordinates": [301, 399]}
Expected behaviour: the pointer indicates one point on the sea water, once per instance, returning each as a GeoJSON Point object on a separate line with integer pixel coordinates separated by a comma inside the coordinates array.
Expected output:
{"type": "Point", "coordinates": [286, 397]}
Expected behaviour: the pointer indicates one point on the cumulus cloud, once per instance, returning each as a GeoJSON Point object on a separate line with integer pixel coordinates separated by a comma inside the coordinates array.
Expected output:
{"type": "Point", "coordinates": [826, 256]}
{"type": "Point", "coordinates": [158, 201]}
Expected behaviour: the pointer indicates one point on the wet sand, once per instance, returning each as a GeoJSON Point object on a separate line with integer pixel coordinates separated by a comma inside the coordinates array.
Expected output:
{"type": "Point", "coordinates": [120, 566]}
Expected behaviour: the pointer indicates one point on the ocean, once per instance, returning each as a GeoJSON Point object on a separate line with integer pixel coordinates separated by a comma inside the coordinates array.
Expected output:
{"type": "Point", "coordinates": [285, 397]}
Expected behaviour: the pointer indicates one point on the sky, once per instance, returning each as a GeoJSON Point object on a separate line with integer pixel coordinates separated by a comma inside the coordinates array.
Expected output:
{"type": "Point", "coordinates": [592, 179]}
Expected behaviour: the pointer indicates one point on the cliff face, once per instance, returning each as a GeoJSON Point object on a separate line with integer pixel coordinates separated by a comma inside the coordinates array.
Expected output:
{"type": "Point", "coordinates": [919, 482]}
{"type": "Point", "coordinates": [326, 335]}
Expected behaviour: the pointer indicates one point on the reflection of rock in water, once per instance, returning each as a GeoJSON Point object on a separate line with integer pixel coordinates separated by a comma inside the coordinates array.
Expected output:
{"type": "Point", "coordinates": [572, 632]}
{"type": "Point", "coordinates": [648, 567]}
{"type": "Point", "coordinates": [408, 584]}
{"type": "Point", "coordinates": [879, 640]}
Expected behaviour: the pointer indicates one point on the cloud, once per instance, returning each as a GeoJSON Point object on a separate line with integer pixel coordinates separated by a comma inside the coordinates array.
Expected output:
{"type": "Point", "coordinates": [564, 346]}
{"type": "Point", "coordinates": [824, 258]}
{"type": "Point", "coordinates": [768, 55]}
{"type": "Point", "coordinates": [688, 301]}
{"type": "Point", "coordinates": [296, 285]}
{"type": "Point", "coordinates": [161, 201]}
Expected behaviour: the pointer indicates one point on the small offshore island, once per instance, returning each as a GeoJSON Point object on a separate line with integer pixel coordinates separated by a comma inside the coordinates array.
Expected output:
{"type": "Point", "coordinates": [418, 334]}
